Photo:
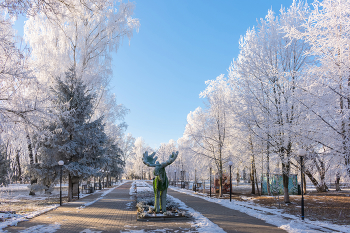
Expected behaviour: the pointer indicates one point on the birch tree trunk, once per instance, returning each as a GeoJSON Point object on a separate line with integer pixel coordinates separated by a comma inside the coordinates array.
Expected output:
{"type": "Point", "coordinates": [220, 179]}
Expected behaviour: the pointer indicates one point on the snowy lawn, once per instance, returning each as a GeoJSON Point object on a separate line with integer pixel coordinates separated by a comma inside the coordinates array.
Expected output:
{"type": "Point", "coordinates": [272, 215]}
{"type": "Point", "coordinates": [17, 205]}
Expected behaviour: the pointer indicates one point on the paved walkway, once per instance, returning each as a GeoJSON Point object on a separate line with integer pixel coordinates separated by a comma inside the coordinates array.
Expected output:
{"type": "Point", "coordinates": [115, 212]}
{"type": "Point", "coordinates": [229, 220]}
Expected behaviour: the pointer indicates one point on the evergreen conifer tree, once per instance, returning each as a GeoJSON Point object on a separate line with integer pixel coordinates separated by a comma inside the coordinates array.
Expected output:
{"type": "Point", "coordinates": [4, 163]}
{"type": "Point", "coordinates": [115, 163]}
{"type": "Point", "coordinates": [72, 137]}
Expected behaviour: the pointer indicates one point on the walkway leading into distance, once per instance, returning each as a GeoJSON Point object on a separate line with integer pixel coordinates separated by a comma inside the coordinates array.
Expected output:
{"type": "Point", "coordinates": [229, 220]}
{"type": "Point", "coordinates": [115, 212]}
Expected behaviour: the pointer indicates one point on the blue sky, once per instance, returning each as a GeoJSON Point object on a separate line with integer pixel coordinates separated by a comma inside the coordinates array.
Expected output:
{"type": "Point", "coordinates": [180, 45]}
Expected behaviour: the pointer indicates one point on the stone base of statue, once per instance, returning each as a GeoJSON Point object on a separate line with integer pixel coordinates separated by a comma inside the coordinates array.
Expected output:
{"type": "Point", "coordinates": [146, 208]}
{"type": "Point", "coordinates": [167, 216]}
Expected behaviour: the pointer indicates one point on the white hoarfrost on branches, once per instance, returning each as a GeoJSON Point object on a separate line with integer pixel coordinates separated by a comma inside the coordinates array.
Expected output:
{"type": "Point", "coordinates": [82, 38]}
{"type": "Point", "coordinates": [327, 31]}
{"type": "Point", "coordinates": [135, 168]}
{"type": "Point", "coordinates": [62, 35]}
{"type": "Point", "coordinates": [211, 130]}
{"type": "Point", "coordinates": [266, 76]}
{"type": "Point", "coordinates": [16, 104]}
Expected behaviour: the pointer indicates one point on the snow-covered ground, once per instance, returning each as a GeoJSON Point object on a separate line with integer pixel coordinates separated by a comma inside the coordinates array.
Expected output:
{"type": "Point", "coordinates": [20, 191]}
{"type": "Point", "coordinates": [275, 217]}
{"type": "Point", "coordinates": [17, 192]}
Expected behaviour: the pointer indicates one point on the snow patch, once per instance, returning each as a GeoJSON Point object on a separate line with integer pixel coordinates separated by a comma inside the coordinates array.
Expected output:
{"type": "Point", "coordinates": [42, 228]}
{"type": "Point", "coordinates": [16, 218]}
{"type": "Point", "coordinates": [89, 231]}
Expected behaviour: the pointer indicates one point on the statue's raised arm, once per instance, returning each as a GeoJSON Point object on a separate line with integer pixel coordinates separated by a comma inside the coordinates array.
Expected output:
{"type": "Point", "coordinates": [160, 183]}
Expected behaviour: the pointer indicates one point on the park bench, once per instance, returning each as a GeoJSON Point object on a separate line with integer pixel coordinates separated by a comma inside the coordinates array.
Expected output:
{"type": "Point", "coordinates": [87, 189]}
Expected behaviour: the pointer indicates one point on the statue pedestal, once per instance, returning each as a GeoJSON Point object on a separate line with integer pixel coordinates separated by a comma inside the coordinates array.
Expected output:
{"type": "Point", "coordinates": [161, 217]}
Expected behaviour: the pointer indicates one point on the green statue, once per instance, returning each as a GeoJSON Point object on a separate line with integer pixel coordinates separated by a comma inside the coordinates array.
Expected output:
{"type": "Point", "coordinates": [160, 182]}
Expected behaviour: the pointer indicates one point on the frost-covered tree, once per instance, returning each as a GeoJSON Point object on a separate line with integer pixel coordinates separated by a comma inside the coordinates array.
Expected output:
{"type": "Point", "coordinates": [15, 104]}
{"type": "Point", "coordinates": [267, 73]}
{"type": "Point", "coordinates": [50, 7]}
{"type": "Point", "coordinates": [327, 31]}
{"type": "Point", "coordinates": [134, 165]}
{"type": "Point", "coordinates": [196, 166]}
{"type": "Point", "coordinates": [82, 38]}
{"type": "Point", "coordinates": [126, 145]}
{"type": "Point", "coordinates": [211, 129]}
{"type": "Point", "coordinates": [72, 137]}
{"type": "Point", "coordinates": [114, 164]}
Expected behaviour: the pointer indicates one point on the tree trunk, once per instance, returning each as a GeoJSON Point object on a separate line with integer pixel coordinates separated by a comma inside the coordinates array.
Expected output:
{"type": "Point", "coordinates": [285, 186]}
{"type": "Point", "coordinates": [220, 182]}
{"type": "Point", "coordinates": [252, 168]}
{"type": "Point", "coordinates": [268, 169]}
{"type": "Point", "coordinates": [256, 182]}
{"type": "Point", "coordinates": [344, 131]}
{"type": "Point", "coordinates": [203, 183]}
{"type": "Point", "coordinates": [30, 150]}
{"type": "Point", "coordinates": [19, 175]}
{"type": "Point", "coordinates": [33, 180]}
{"type": "Point", "coordinates": [337, 181]}
{"type": "Point", "coordinates": [319, 187]}
{"type": "Point", "coordinates": [70, 188]}
{"type": "Point", "coordinates": [285, 177]}
{"type": "Point", "coordinates": [252, 182]}
{"type": "Point", "coordinates": [323, 187]}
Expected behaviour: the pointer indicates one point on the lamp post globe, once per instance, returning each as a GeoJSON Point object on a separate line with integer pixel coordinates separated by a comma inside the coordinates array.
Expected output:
{"type": "Point", "coordinates": [302, 153]}
{"type": "Point", "coordinates": [230, 164]}
{"type": "Point", "coordinates": [61, 163]}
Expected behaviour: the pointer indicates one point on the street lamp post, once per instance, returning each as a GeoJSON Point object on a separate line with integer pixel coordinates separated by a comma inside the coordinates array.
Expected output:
{"type": "Point", "coordinates": [195, 180]}
{"type": "Point", "coordinates": [175, 178]}
{"type": "Point", "coordinates": [302, 153]}
{"type": "Point", "coordinates": [230, 164]}
{"type": "Point", "coordinates": [182, 174]}
{"type": "Point", "coordinates": [61, 163]}
{"type": "Point", "coordinates": [210, 181]}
